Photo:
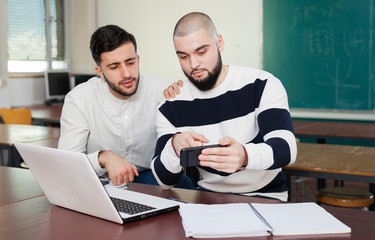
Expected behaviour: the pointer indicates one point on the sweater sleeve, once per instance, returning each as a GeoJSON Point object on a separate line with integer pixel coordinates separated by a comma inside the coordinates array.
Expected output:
{"type": "Point", "coordinates": [275, 127]}
{"type": "Point", "coordinates": [165, 164]}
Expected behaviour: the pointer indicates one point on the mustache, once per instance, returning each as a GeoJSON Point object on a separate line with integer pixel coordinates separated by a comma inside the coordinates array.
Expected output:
{"type": "Point", "coordinates": [127, 79]}
{"type": "Point", "coordinates": [197, 69]}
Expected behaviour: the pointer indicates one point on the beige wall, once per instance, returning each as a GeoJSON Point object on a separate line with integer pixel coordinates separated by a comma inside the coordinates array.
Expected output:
{"type": "Point", "coordinates": [82, 23]}
{"type": "Point", "coordinates": [152, 23]}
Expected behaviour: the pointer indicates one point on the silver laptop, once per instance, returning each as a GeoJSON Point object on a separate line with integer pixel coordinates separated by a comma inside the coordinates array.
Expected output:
{"type": "Point", "coordinates": [69, 180]}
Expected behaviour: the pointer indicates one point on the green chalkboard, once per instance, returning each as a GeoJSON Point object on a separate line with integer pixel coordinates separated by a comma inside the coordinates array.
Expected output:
{"type": "Point", "coordinates": [323, 51]}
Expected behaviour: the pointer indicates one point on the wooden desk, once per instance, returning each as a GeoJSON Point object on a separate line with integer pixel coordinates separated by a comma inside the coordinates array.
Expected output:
{"type": "Point", "coordinates": [10, 133]}
{"type": "Point", "coordinates": [35, 218]}
{"type": "Point", "coordinates": [46, 115]}
{"type": "Point", "coordinates": [16, 185]}
{"type": "Point", "coordinates": [334, 130]}
{"type": "Point", "coordinates": [339, 162]}
{"type": "Point", "coordinates": [51, 142]}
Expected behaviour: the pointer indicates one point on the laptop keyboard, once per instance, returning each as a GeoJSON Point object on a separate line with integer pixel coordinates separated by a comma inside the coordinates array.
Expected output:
{"type": "Point", "coordinates": [130, 207]}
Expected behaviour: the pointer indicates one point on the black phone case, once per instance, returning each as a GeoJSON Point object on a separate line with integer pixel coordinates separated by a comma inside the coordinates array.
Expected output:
{"type": "Point", "coordinates": [189, 156]}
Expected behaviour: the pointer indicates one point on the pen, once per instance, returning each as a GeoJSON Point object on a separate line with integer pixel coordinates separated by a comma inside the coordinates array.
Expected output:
{"type": "Point", "coordinates": [262, 218]}
{"type": "Point", "coordinates": [177, 200]}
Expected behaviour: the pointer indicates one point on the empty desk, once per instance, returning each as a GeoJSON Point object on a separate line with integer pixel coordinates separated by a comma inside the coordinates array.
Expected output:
{"type": "Point", "coordinates": [11, 133]}
{"type": "Point", "coordinates": [339, 162]}
{"type": "Point", "coordinates": [46, 115]}
{"type": "Point", "coordinates": [334, 130]}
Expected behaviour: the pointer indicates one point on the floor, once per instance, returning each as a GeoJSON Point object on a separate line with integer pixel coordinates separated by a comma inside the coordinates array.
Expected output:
{"type": "Point", "coordinates": [303, 189]}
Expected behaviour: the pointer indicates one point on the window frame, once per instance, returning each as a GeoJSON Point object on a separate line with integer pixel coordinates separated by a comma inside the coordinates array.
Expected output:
{"type": "Point", "coordinates": [4, 56]}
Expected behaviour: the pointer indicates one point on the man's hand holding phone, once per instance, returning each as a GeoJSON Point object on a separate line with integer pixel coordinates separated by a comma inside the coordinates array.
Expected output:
{"type": "Point", "coordinates": [228, 156]}
{"type": "Point", "coordinates": [187, 139]}
{"type": "Point", "coordinates": [189, 156]}
{"type": "Point", "coordinates": [225, 159]}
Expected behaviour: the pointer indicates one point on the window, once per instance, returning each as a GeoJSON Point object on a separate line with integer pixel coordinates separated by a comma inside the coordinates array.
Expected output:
{"type": "Point", "coordinates": [36, 41]}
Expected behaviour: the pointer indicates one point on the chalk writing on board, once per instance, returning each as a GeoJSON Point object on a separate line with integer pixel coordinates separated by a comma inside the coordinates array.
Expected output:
{"type": "Point", "coordinates": [323, 51]}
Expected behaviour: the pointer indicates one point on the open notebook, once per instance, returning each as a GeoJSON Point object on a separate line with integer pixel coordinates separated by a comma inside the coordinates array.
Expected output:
{"type": "Point", "coordinates": [257, 219]}
{"type": "Point", "coordinates": [69, 180]}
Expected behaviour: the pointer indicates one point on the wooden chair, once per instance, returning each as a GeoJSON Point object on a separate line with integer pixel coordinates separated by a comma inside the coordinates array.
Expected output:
{"type": "Point", "coordinates": [345, 197]}
{"type": "Point", "coordinates": [16, 116]}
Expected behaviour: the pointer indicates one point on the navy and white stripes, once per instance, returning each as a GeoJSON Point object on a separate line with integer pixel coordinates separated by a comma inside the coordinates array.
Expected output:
{"type": "Point", "coordinates": [252, 107]}
{"type": "Point", "coordinates": [199, 112]}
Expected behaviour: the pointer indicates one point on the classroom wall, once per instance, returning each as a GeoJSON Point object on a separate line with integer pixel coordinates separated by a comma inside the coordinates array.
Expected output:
{"type": "Point", "coordinates": [152, 23]}
{"type": "Point", "coordinates": [83, 23]}
{"type": "Point", "coordinates": [27, 91]}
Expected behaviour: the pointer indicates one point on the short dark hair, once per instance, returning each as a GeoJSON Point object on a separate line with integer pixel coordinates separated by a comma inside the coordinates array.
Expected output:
{"type": "Point", "coordinates": [108, 38]}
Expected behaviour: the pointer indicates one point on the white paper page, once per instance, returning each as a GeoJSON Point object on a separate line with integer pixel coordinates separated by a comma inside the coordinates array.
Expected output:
{"type": "Point", "coordinates": [221, 220]}
{"type": "Point", "coordinates": [300, 219]}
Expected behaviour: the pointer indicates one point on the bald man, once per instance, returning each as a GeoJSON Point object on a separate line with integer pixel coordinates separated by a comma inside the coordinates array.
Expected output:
{"type": "Point", "coordinates": [245, 110]}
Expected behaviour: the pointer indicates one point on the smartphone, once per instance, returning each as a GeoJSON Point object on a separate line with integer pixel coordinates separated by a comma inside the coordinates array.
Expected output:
{"type": "Point", "coordinates": [189, 156]}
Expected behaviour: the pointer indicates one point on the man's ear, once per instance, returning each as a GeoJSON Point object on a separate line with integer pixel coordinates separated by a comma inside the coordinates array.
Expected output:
{"type": "Point", "coordinates": [98, 69]}
{"type": "Point", "coordinates": [220, 42]}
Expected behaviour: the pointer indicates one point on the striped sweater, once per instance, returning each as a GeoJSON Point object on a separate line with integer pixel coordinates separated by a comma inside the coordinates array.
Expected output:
{"type": "Point", "coordinates": [251, 106]}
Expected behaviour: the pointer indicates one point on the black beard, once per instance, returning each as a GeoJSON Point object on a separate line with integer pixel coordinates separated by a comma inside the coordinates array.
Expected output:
{"type": "Point", "coordinates": [118, 90]}
{"type": "Point", "coordinates": [207, 83]}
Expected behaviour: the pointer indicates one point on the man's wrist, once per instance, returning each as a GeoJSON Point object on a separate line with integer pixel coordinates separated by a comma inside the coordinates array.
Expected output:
{"type": "Point", "coordinates": [174, 149]}
{"type": "Point", "coordinates": [245, 162]}
{"type": "Point", "coordinates": [101, 160]}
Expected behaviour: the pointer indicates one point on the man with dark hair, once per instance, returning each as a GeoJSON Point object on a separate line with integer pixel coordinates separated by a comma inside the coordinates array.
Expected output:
{"type": "Point", "coordinates": [245, 110]}
{"type": "Point", "coordinates": [112, 118]}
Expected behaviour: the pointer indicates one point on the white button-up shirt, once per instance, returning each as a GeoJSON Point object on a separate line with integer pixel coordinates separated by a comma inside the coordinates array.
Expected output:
{"type": "Point", "coordinates": [93, 119]}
